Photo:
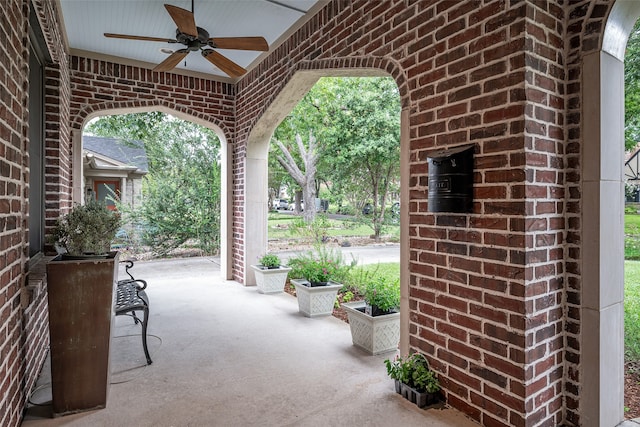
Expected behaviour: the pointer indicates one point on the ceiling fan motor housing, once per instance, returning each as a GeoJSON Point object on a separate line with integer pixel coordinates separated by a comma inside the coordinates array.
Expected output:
{"type": "Point", "coordinates": [193, 43]}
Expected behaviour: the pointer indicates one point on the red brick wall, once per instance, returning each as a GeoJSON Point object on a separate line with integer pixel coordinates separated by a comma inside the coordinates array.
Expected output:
{"type": "Point", "coordinates": [13, 210]}
{"type": "Point", "coordinates": [98, 86]}
{"type": "Point", "coordinates": [23, 315]}
{"type": "Point", "coordinates": [585, 26]}
{"type": "Point", "coordinates": [543, 194]}
{"type": "Point", "coordinates": [488, 294]}
{"type": "Point", "coordinates": [494, 295]}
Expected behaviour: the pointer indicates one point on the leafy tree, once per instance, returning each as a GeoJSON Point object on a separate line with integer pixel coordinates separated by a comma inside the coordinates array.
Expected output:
{"type": "Point", "coordinates": [367, 141]}
{"type": "Point", "coordinates": [357, 125]}
{"type": "Point", "coordinates": [312, 116]}
{"type": "Point", "coordinates": [632, 89]}
{"type": "Point", "coordinates": [181, 193]}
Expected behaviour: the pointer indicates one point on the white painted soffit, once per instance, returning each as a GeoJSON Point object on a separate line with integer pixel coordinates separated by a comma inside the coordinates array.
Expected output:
{"type": "Point", "coordinates": [85, 22]}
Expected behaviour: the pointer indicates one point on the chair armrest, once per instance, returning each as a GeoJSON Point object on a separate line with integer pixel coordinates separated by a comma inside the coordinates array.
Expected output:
{"type": "Point", "coordinates": [140, 284]}
{"type": "Point", "coordinates": [129, 264]}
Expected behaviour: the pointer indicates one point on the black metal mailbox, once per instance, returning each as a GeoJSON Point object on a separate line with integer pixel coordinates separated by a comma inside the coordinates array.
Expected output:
{"type": "Point", "coordinates": [451, 180]}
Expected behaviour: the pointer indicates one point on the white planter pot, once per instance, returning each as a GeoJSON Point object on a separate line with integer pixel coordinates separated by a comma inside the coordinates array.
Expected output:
{"type": "Point", "coordinates": [271, 280]}
{"type": "Point", "coordinates": [316, 301]}
{"type": "Point", "coordinates": [375, 335]}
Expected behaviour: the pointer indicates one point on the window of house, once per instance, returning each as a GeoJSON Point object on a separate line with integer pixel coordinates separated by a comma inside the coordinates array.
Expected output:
{"type": "Point", "coordinates": [106, 191]}
{"type": "Point", "coordinates": [37, 58]}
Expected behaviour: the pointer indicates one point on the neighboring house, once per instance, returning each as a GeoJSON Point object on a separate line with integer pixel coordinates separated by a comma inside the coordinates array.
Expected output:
{"type": "Point", "coordinates": [632, 174]}
{"type": "Point", "coordinates": [113, 166]}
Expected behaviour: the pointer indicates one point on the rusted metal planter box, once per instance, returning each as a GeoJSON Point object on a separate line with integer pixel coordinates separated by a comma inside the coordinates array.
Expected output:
{"type": "Point", "coordinates": [81, 300]}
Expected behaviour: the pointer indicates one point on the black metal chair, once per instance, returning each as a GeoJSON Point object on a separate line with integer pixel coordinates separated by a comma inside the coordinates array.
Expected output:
{"type": "Point", "coordinates": [131, 297]}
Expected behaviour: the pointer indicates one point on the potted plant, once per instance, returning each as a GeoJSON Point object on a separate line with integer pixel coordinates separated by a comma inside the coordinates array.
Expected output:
{"type": "Point", "coordinates": [317, 283]}
{"type": "Point", "coordinates": [414, 379]}
{"type": "Point", "coordinates": [375, 322]}
{"type": "Point", "coordinates": [271, 276]}
{"type": "Point", "coordinates": [81, 284]}
{"type": "Point", "coordinates": [87, 230]}
{"type": "Point", "coordinates": [382, 296]}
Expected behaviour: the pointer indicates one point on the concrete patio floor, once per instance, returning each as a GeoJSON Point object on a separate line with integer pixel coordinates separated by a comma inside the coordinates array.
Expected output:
{"type": "Point", "coordinates": [226, 355]}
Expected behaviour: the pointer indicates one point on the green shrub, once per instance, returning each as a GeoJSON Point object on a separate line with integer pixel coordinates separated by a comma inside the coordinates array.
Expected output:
{"type": "Point", "coordinates": [315, 231]}
{"type": "Point", "coordinates": [382, 293]}
{"type": "Point", "coordinates": [414, 371]}
{"type": "Point", "coordinates": [320, 265]}
{"type": "Point", "coordinates": [270, 261]}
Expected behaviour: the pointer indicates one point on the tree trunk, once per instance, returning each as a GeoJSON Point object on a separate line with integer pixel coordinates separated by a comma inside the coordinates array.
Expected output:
{"type": "Point", "coordinates": [297, 199]}
{"type": "Point", "coordinates": [309, 194]}
{"type": "Point", "coordinates": [306, 179]}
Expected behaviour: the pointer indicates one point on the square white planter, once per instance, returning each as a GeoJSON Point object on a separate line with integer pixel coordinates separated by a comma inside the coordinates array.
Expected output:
{"type": "Point", "coordinates": [271, 280]}
{"type": "Point", "coordinates": [318, 300]}
{"type": "Point", "coordinates": [375, 335]}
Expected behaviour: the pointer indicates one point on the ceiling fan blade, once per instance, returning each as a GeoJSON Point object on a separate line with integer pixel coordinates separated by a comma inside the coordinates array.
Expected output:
{"type": "Point", "coordinates": [184, 20]}
{"type": "Point", "coordinates": [239, 43]}
{"type": "Point", "coordinates": [143, 38]}
{"type": "Point", "coordinates": [173, 60]}
{"type": "Point", "coordinates": [224, 63]}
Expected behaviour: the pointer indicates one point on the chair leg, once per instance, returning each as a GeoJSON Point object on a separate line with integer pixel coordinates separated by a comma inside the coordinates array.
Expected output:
{"type": "Point", "coordinates": [144, 335]}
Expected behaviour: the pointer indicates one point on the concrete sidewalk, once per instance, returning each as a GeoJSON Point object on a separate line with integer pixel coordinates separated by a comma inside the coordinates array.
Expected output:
{"type": "Point", "coordinates": [226, 355]}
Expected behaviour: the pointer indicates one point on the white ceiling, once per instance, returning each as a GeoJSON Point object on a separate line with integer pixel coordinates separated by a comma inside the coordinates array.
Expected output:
{"type": "Point", "coordinates": [86, 21]}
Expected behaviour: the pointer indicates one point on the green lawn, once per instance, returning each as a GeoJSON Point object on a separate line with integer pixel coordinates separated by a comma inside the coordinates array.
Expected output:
{"type": "Point", "coordinates": [632, 309]}
{"type": "Point", "coordinates": [632, 237]}
{"type": "Point", "coordinates": [279, 224]}
{"type": "Point", "coordinates": [388, 270]}
{"type": "Point", "coordinates": [357, 276]}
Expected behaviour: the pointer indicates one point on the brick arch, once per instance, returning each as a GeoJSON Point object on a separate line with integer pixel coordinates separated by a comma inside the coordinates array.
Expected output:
{"type": "Point", "coordinates": [344, 66]}
{"type": "Point", "coordinates": [126, 106]}
{"type": "Point", "coordinates": [364, 64]}
{"type": "Point", "coordinates": [293, 87]}
{"type": "Point", "coordinates": [98, 85]}
{"type": "Point", "coordinates": [281, 99]}
{"type": "Point", "coordinates": [472, 281]}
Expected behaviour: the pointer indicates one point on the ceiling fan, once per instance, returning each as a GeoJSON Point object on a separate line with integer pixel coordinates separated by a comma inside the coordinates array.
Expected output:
{"type": "Point", "coordinates": [197, 39]}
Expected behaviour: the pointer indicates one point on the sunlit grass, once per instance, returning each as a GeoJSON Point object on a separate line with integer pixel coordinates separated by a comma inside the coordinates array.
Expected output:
{"type": "Point", "coordinates": [632, 237]}
{"type": "Point", "coordinates": [279, 227]}
{"type": "Point", "coordinates": [632, 310]}
{"type": "Point", "coordinates": [361, 273]}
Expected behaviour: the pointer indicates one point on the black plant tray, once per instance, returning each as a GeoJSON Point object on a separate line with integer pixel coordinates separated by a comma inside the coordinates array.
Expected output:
{"type": "Point", "coordinates": [412, 395]}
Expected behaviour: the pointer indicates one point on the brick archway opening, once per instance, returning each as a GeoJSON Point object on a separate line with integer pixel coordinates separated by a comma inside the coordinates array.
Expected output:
{"type": "Point", "coordinates": [602, 321]}
{"type": "Point", "coordinates": [225, 212]}
{"type": "Point", "coordinates": [256, 203]}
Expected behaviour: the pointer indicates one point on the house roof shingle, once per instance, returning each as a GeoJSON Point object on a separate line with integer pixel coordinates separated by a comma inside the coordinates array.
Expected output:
{"type": "Point", "coordinates": [128, 152]}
